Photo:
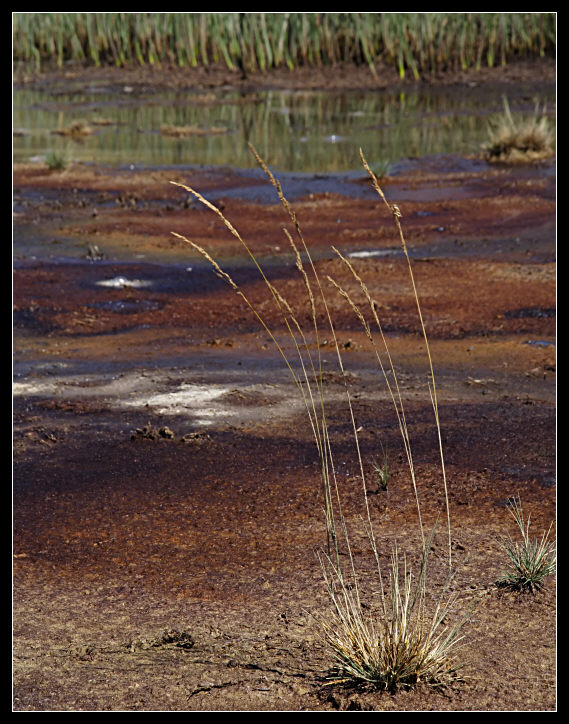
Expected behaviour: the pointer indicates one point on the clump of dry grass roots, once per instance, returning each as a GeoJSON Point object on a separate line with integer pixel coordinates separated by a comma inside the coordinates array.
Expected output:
{"type": "Point", "coordinates": [405, 638]}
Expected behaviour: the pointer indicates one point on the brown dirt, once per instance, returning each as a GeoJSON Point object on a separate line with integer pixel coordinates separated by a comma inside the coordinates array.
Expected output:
{"type": "Point", "coordinates": [339, 77]}
{"type": "Point", "coordinates": [176, 570]}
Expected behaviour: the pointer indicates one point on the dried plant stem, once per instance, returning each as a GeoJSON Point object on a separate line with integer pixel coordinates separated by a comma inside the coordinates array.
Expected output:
{"type": "Point", "coordinates": [315, 410]}
{"type": "Point", "coordinates": [408, 643]}
{"type": "Point", "coordinates": [396, 213]}
{"type": "Point", "coordinates": [277, 185]}
{"type": "Point", "coordinates": [395, 396]}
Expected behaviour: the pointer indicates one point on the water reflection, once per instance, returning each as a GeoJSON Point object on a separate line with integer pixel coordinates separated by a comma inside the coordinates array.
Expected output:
{"type": "Point", "coordinates": [293, 131]}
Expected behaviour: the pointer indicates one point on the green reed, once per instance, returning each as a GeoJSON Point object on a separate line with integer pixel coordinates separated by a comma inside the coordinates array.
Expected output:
{"type": "Point", "coordinates": [415, 42]}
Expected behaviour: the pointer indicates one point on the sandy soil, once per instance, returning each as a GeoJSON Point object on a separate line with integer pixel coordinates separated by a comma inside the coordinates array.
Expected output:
{"type": "Point", "coordinates": [167, 504]}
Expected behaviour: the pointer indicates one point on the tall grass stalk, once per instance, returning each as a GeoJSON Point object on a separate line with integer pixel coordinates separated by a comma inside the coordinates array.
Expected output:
{"type": "Point", "coordinates": [396, 213]}
{"type": "Point", "coordinates": [406, 639]}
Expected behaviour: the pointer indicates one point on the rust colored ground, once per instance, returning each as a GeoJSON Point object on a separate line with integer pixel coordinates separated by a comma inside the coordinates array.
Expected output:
{"type": "Point", "coordinates": [207, 529]}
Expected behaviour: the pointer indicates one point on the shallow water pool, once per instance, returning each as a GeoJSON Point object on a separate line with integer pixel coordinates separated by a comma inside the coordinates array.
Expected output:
{"type": "Point", "coordinates": [294, 131]}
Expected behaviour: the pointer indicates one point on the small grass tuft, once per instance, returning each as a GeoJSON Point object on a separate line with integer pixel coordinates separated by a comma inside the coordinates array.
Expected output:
{"type": "Point", "coordinates": [55, 161]}
{"type": "Point", "coordinates": [519, 141]}
{"type": "Point", "coordinates": [531, 561]}
{"type": "Point", "coordinates": [381, 169]}
{"type": "Point", "coordinates": [381, 472]}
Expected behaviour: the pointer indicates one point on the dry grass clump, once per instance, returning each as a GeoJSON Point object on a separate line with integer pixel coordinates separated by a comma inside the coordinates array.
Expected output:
{"type": "Point", "coordinates": [530, 561]}
{"type": "Point", "coordinates": [404, 643]}
{"type": "Point", "coordinates": [408, 637]}
{"type": "Point", "coordinates": [185, 131]}
{"type": "Point", "coordinates": [520, 141]}
{"type": "Point", "coordinates": [77, 129]}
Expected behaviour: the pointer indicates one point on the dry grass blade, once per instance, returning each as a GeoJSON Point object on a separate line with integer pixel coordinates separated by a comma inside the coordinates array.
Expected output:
{"type": "Point", "coordinates": [396, 214]}
{"type": "Point", "coordinates": [311, 369]}
{"type": "Point", "coordinates": [394, 391]}
{"type": "Point", "coordinates": [322, 297]}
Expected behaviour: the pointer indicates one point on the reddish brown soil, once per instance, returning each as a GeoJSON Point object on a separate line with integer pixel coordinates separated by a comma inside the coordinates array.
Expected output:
{"type": "Point", "coordinates": [177, 570]}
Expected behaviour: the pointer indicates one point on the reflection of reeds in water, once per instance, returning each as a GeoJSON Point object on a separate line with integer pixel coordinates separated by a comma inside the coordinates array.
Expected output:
{"type": "Point", "coordinates": [404, 639]}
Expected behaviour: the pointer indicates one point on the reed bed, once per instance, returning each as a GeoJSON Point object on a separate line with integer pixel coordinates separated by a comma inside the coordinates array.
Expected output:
{"type": "Point", "coordinates": [414, 42]}
{"type": "Point", "coordinates": [405, 637]}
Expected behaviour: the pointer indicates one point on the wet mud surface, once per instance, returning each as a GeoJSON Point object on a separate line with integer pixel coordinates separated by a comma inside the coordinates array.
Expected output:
{"type": "Point", "coordinates": [167, 501]}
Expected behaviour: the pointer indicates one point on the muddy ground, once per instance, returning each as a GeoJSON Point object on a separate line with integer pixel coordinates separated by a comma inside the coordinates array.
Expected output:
{"type": "Point", "coordinates": [167, 504]}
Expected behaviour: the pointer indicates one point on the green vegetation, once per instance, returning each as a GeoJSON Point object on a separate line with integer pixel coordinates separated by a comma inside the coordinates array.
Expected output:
{"type": "Point", "coordinates": [381, 169]}
{"type": "Point", "coordinates": [530, 561]}
{"type": "Point", "coordinates": [415, 42]}
{"type": "Point", "coordinates": [55, 161]}
{"type": "Point", "coordinates": [381, 473]}
{"type": "Point", "coordinates": [407, 634]}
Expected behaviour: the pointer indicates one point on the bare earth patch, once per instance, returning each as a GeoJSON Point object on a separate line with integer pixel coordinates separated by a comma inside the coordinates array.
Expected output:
{"type": "Point", "coordinates": [177, 571]}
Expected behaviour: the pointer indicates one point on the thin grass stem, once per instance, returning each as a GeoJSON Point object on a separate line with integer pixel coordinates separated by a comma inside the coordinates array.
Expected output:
{"type": "Point", "coordinates": [396, 214]}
